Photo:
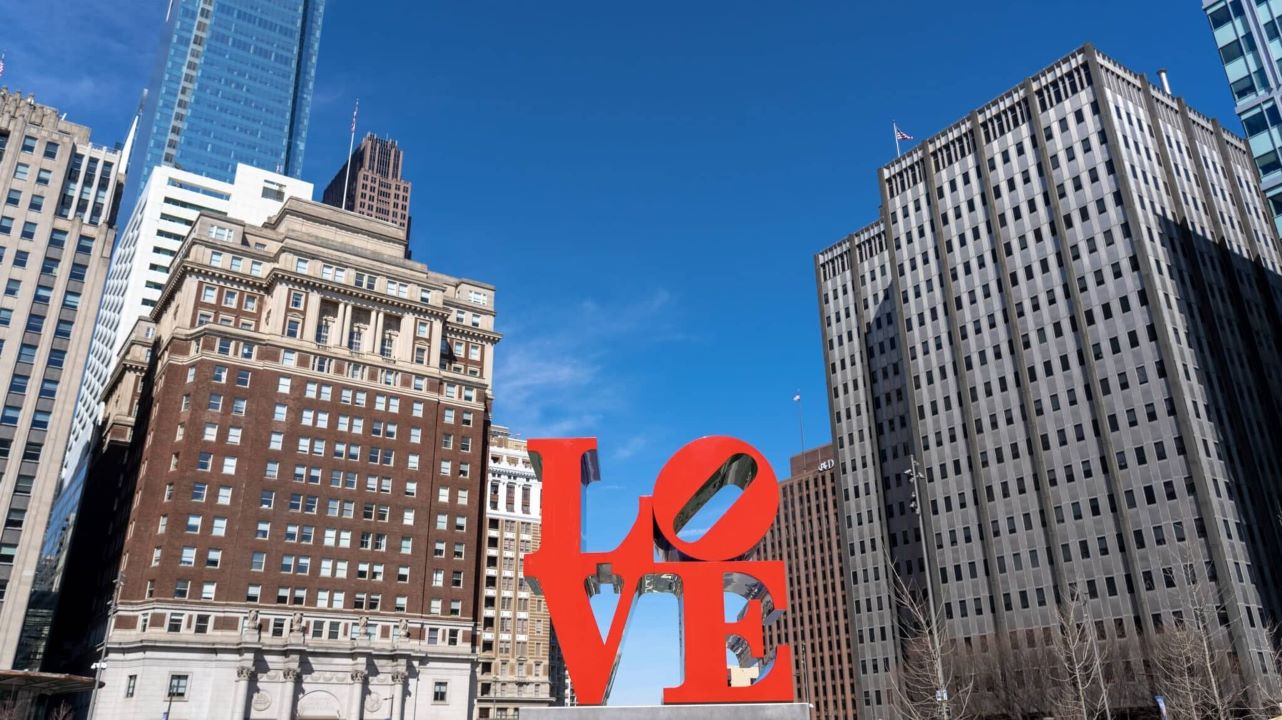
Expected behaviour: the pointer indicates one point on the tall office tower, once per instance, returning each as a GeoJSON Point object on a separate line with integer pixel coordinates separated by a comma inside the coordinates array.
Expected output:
{"type": "Point", "coordinates": [515, 629]}
{"type": "Point", "coordinates": [139, 268]}
{"type": "Point", "coordinates": [232, 84]}
{"type": "Point", "coordinates": [370, 183]}
{"type": "Point", "coordinates": [1247, 35]}
{"type": "Point", "coordinates": [56, 231]}
{"type": "Point", "coordinates": [1067, 316]}
{"type": "Point", "coordinates": [807, 537]}
{"type": "Point", "coordinates": [304, 479]}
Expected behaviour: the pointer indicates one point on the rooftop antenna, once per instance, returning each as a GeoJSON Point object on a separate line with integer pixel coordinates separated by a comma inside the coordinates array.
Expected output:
{"type": "Point", "coordinates": [1166, 82]}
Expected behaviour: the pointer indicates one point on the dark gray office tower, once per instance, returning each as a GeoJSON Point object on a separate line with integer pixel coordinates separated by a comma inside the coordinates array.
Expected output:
{"type": "Point", "coordinates": [1068, 316]}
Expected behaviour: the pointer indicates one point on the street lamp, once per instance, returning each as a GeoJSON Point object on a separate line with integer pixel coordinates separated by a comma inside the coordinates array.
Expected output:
{"type": "Point", "coordinates": [941, 690]}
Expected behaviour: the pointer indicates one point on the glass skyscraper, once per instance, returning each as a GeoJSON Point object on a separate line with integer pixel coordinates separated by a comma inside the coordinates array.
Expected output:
{"type": "Point", "coordinates": [233, 84]}
{"type": "Point", "coordinates": [1249, 36]}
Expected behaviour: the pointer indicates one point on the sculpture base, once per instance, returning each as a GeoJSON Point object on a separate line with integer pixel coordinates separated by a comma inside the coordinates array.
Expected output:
{"type": "Point", "coordinates": [744, 711]}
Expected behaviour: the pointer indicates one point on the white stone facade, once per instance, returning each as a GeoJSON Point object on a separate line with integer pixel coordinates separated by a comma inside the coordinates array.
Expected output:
{"type": "Point", "coordinates": [282, 678]}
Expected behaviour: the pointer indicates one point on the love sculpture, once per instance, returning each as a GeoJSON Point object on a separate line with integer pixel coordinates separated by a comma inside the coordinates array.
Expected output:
{"type": "Point", "coordinates": [698, 571]}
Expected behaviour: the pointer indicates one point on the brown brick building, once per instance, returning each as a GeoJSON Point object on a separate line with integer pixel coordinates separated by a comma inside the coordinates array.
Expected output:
{"type": "Point", "coordinates": [309, 446]}
{"type": "Point", "coordinates": [375, 186]}
{"type": "Point", "coordinates": [807, 536]}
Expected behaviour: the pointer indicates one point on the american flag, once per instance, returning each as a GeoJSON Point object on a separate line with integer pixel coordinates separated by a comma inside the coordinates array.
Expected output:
{"type": "Point", "coordinates": [901, 135]}
{"type": "Point", "coordinates": [1, 64]}
{"type": "Point", "coordinates": [354, 111]}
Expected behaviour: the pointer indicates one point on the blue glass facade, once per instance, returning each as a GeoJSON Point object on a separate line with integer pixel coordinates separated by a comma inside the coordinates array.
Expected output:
{"type": "Point", "coordinates": [1248, 34]}
{"type": "Point", "coordinates": [233, 84]}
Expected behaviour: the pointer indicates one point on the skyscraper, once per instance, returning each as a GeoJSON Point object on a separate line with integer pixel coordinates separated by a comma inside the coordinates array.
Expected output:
{"type": "Point", "coordinates": [1250, 43]}
{"type": "Point", "coordinates": [56, 231]}
{"type": "Point", "coordinates": [807, 537]}
{"type": "Point", "coordinates": [371, 183]}
{"type": "Point", "coordinates": [232, 84]}
{"type": "Point", "coordinates": [514, 670]}
{"type": "Point", "coordinates": [1067, 316]}
{"type": "Point", "coordinates": [169, 205]}
{"type": "Point", "coordinates": [303, 490]}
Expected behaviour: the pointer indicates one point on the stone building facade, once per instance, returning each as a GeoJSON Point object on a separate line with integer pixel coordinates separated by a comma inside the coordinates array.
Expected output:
{"type": "Point", "coordinates": [306, 463]}
{"type": "Point", "coordinates": [806, 535]}
{"type": "Point", "coordinates": [59, 193]}
{"type": "Point", "coordinates": [1068, 317]}
{"type": "Point", "coordinates": [372, 184]}
{"type": "Point", "coordinates": [514, 671]}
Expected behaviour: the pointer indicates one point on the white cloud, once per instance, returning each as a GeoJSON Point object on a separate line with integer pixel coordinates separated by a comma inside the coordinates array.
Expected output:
{"type": "Point", "coordinates": [552, 376]}
{"type": "Point", "coordinates": [88, 59]}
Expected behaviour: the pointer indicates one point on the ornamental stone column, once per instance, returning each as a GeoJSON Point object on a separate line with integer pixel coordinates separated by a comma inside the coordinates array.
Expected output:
{"type": "Point", "coordinates": [240, 694]}
{"type": "Point", "coordinates": [290, 701]}
{"type": "Point", "coordinates": [398, 695]}
{"type": "Point", "coordinates": [358, 695]}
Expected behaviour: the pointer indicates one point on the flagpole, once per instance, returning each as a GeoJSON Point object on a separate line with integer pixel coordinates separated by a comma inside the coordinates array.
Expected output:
{"type": "Point", "coordinates": [351, 145]}
{"type": "Point", "coordinates": [801, 421]}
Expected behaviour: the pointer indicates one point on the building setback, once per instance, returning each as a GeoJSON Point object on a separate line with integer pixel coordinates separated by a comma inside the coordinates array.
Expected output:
{"type": "Point", "coordinates": [301, 536]}
{"type": "Point", "coordinates": [232, 84]}
{"type": "Point", "coordinates": [515, 629]}
{"type": "Point", "coordinates": [169, 205]}
{"type": "Point", "coordinates": [1250, 46]}
{"type": "Point", "coordinates": [370, 183]}
{"type": "Point", "coordinates": [807, 537]}
{"type": "Point", "coordinates": [1068, 316]}
{"type": "Point", "coordinates": [56, 232]}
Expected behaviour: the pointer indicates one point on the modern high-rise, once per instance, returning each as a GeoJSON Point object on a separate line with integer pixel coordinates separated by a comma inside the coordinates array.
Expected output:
{"type": "Point", "coordinates": [1249, 38]}
{"type": "Point", "coordinates": [303, 490]}
{"type": "Point", "coordinates": [1068, 317]}
{"type": "Point", "coordinates": [232, 84]}
{"type": "Point", "coordinates": [161, 219]}
{"type": "Point", "coordinates": [514, 671]}
{"type": "Point", "coordinates": [806, 535]}
{"type": "Point", "coordinates": [371, 183]}
{"type": "Point", "coordinates": [56, 231]}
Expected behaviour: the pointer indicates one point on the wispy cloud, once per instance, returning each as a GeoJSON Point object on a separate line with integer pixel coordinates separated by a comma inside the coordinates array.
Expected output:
{"type": "Point", "coordinates": [629, 448]}
{"type": "Point", "coordinates": [553, 377]}
{"type": "Point", "coordinates": [87, 58]}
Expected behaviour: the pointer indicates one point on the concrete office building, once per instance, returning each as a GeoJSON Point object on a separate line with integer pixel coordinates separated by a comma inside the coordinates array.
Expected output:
{"type": "Point", "coordinates": [1249, 38]}
{"type": "Point", "coordinates": [232, 84]}
{"type": "Point", "coordinates": [303, 490]}
{"type": "Point", "coordinates": [371, 183]}
{"type": "Point", "coordinates": [161, 219]}
{"type": "Point", "coordinates": [1067, 315]}
{"type": "Point", "coordinates": [56, 231]}
{"type": "Point", "coordinates": [807, 537]}
{"type": "Point", "coordinates": [515, 629]}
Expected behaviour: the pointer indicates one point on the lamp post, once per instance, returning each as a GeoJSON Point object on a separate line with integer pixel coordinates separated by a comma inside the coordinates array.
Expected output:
{"type": "Point", "coordinates": [941, 690]}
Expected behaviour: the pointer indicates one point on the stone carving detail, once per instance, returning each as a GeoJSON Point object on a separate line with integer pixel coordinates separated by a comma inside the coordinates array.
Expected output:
{"type": "Point", "coordinates": [261, 701]}
{"type": "Point", "coordinates": [399, 677]}
{"type": "Point", "coordinates": [404, 628]}
{"type": "Point", "coordinates": [373, 703]}
{"type": "Point", "coordinates": [292, 674]}
{"type": "Point", "coordinates": [244, 672]}
{"type": "Point", "coordinates": [296, 623]}
{"type": "Point", "coordinates": [358, 676]}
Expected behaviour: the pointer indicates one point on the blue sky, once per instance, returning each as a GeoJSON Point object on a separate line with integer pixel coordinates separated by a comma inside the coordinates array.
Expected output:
{"type": "Point", "coordinates": [646, 183]}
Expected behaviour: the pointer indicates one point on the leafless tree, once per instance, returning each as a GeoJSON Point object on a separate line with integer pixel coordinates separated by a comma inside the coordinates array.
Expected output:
{"type": "Point", "coordinates": [1080, 691]}
{"type": "Point", "coordinates": [62, 712]}
{"type": "Point", "coordinates": [1010, 683]}
{"type": "Point", "coordinates": [927, 686]}
{"type": "Point", "coordinates": [1193, 659]}
{"type": "Point", "coordinates": [14, 706]}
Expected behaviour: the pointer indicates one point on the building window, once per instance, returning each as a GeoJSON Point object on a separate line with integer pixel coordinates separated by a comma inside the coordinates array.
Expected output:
{"type": "Point", "coordinates": [439, 691]}
{"type": "Point", "coordinates": [177, 685]}
{"type": "Point", "coordinates": [131, 685]}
